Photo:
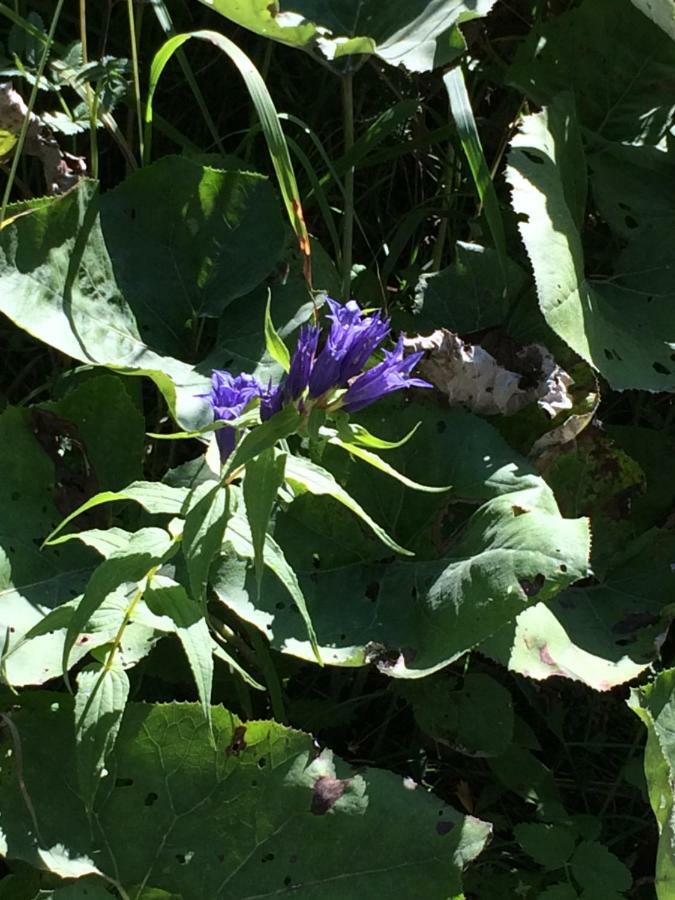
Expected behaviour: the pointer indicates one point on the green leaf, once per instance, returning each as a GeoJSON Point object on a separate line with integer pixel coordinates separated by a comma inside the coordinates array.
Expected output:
{"type": "Point", "coordinates": [281, 425]}
{"type": "Point", "coordinates": [273, 342]}
{"type": "Point", "coordinates": [57, 283]}
{"type": "Point", "coordinates": [184, 818]}
{"type": "Point", "coordinates": [662, 12]}
{"type": "Point", "coordinates": [167, 598]}
{"type": "Point", "coordinates": [239, 535]}
{"type": "Point", "coordinates": [186, 240]}
{"type": "Point", "coordinates": [466, 296]}
{"type": "Point", "coordinates": [462, 113]}
{"type": "Point", "coordinates": [102, 692]}
{"type": "Point", "coordinates": [412, 619]}
{"type": "Point", "coordinates": [377, 463]}
{"type": "Point", "coordinates": [622, 92]}
{"type": "Point", "coordinates": [32, 582]}
{"type": "Point", "coordinates": [305, 475]}
{"type": "Point", "coordinates": [595, 319]}
{"type": "Point", "coordinates": [597, 871]}
{"type": "Point", "coordinates": [130, 566]}
{"type": "Point", "coordinates": [561, 891]}
{"type": "Point", "coordinates": [549, 846]}
{"type": "Point", "coordinates": [153, 496]}
{"type": "Point", "coordinates": [264, 476]}
{"type": "Point", "coordinates": [203, 534]}
{"type": "Point", "coordinates": [107, 425]}
{"type": "Point", "coordinates": [356, 433]}
{"type": "Point", "coordinates": [240, 339]}
{"type": "Point", "coordinates": [406, 33]}
{"type": "Point", "coordinates": [602, 634]}
{"type": "Point", "coordinates": [264, 106]}
{"type": "Point", "coordinates": [655, 706]}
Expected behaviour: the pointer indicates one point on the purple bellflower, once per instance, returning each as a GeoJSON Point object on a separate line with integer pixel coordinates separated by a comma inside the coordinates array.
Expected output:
{"type": "Point", "coordinates": [229, 397]}
{"type": "Point", "coordinates": [294, 384]}
{"type": "Point", "coordinates": [392, 374]}
{"type": "Point", "coordinates": [351, 340]}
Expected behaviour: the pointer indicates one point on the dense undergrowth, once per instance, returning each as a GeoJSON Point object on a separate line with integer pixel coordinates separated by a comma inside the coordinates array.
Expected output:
{"type": "Point", "coordinates": [338, 629]}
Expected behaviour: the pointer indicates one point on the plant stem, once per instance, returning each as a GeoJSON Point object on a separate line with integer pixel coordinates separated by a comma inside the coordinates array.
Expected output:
{"type": "Point", "coordinates": [91, 99]}
{"type": "Point", "coordinates": [31, 103]}
{"type": "Point", "coordinates": [136, 72]}
{"type": "Point", "coordinates": [348, 220]}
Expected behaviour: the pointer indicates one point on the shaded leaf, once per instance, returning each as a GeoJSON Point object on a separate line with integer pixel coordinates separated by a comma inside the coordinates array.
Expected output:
{"type": "Point", "coordinates": [171, 799]}
{"type": "Point", "coordinates": [186, 240]}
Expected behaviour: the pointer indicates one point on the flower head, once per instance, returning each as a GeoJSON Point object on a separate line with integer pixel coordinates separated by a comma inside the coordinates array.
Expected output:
{"type": "Point", "coordinates": [392, 374]}
{"type": "Point", "coordinates": [351, 340]}
{"type": "Point", "coordinates": [294, 384]}
{"type": "Point", "coordinates": [229, 397]}
{"type": "Point", "coordinates": [301, 365]}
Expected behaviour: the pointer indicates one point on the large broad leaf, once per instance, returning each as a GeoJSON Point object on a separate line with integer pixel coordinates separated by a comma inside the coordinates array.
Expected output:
{"type": "Point", "coordinates": [57, 283]}
{"type": "Point", "coordinates": [629, 340]}
{"type": "Point", "coordinates": [468, 295]}
{"type": "Point", "coordinates": [655, 705]}
{"type": "Point", "coordinates": [259, 814]}
{"type": "Point", "coordinates": [415, 617]}
{"type": "Point", "coordinates": [185, 240]}
{"type": "Point", "coordinates": [108, 428]}
{"type": "Point", "coordinates": [413, 33]}
{"type": "Point", "coordinates": [634, 189]}
{"type": "Point", "coordinates": [617, 62]}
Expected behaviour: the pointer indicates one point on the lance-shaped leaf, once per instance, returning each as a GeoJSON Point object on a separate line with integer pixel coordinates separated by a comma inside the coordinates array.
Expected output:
{"type": "Point", "coordinates": [280, 426]}
{"type": "Point", "coordinates": [167, 598]}
{"type": "Point", "coordinates": [132, 565]}
{"type": "Point", "coordinates": [185, 818]}
{"type": "Point", "coordinates": [153, 496]}
{"type": "Point", "coordinates": [273, 340]}
{"type": "Point", "coordinates": [305, 476]}
{"type": "Point", "coordinates": [102, 692]}
{"type": "Point", "coordinates": [264, 477]}
{"type": "Point", "coordinates": [655, 705]}
{"type": "Point", "coordinates": [239, 535]}
{"type": "Point", "coordinates": [203, 533]}
{"type": "Point", "coordinates": [378, 463]}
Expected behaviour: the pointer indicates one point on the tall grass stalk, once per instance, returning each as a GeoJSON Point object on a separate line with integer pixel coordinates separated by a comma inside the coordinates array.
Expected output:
{"type": "Point", "coordinates": [31, 103]}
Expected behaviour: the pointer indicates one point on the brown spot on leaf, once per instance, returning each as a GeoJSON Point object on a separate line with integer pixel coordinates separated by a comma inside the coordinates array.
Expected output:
{"type": "Point", "coordinates": [238, 741]}
{"type": "Point", "coordinates": [327, 791]}
{"type": "Point", "coordinates": [519, 511]}
{"type": "Point", "coordinates": [444, 827]}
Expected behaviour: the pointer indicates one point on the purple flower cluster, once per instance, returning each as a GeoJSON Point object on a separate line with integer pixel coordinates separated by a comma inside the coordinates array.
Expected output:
{"type": "Point", "coordinates": [315, 373]}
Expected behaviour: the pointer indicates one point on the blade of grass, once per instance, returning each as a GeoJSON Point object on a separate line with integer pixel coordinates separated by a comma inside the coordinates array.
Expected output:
{"type": "Point", "coordinates": [260, 96]}
{"type": "Point", "coordinates": [462, 113]}
{"type": "Point", "coordinates": [166, 22]}
{"type": "Point", "coordinates": [91, 100]}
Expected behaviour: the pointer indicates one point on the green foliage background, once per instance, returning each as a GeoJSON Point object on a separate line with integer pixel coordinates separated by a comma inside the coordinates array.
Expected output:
{"type": "Point", "coordinates": [320, 680]}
